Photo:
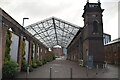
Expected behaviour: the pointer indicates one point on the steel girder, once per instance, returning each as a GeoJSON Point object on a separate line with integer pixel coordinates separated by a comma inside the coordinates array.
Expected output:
{"type": "Point", "coordinates": [53, 31]}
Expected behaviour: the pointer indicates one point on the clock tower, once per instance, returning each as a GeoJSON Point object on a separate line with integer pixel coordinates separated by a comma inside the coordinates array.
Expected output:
{"type": "Point", "coordinates": [93, 47]}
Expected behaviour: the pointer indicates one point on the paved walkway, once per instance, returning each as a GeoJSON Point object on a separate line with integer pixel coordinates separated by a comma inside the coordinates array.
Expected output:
{"type": "Point", "coordinates": [61, 69]}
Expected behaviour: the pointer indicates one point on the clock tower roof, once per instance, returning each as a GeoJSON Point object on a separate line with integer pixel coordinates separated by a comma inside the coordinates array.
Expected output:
{"type": "Point", "coordinates": [92, 7]}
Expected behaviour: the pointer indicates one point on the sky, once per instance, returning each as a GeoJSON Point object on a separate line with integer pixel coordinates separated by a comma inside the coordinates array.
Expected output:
{"type": "Point", "coordinates": [68, 10]}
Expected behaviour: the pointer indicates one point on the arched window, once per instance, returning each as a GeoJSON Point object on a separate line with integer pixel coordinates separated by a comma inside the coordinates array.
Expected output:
{"type": "Point", "coordinates": [95, 27]}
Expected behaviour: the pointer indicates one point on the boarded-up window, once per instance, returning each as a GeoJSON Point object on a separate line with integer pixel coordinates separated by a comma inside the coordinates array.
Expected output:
{"type": "Point", "coordinates": [95, 27]}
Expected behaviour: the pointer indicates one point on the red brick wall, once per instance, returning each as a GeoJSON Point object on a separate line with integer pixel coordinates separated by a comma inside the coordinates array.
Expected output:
{"type": "Point", "coordinates": [112, 53]}
{"type": "Point", "coordinates": [57, 51]}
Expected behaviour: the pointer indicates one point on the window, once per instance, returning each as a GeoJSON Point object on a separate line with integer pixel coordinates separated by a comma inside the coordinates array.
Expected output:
{"type": "Point", "coordinates": [95, 27]}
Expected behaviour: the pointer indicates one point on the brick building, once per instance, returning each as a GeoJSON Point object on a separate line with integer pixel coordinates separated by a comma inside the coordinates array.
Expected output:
{"type": "Point", "coordinates": [88, 45]}
{"type": "Point", "coordinates": [19, 35]}
{"type": "Point", "coordinates": [106, 38]}
{"type": "Point", "coordinates": [57, 51]}
{"type": "Point", "coordinates": [112, 52]}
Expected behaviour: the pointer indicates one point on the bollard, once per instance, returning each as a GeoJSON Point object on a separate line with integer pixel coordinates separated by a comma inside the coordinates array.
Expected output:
{"type": "Point", "coordinates": [28, 70]}
{"type": "Point", "coordinates": [103, 66]}
{"type": "Point", "coordinates": [97, 66]}
{"type": "Point", "coordinates": [97, 69]}
{"type": "Point", "coordinates": [87, 71]}
{"type": "Point", "coordinates": [27, 73]}
{"type": "Point", "coordinates": [106, 67]}
{"type": "Point", "coordinates": [50, 73]}
{"type": "Point", "coordinates": [71, 73]}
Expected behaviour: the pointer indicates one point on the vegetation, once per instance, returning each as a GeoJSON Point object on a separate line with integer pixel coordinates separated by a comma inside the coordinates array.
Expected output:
{"type": "Point", "coordinates": [36, 53]}
{"type": "Point", "coordinates": [24, 68]}
{"type": "Point", "coordinates": [7, 49]}
{"type": "Point", "coordinates": [35, 62]}
{"type": "Point", "coordinates": [39, 63]}
{"type": "Point", "coordinates": [44, 61]}
{"type": "Point", "coordinates": [32, 60]}
{"type": "Point", "coordinates": [24, 65]}
{"type": "Point", "coordinates": [30, 68]}
{"type": "Point", "coordinates": [50, 56]}
{"type": "Point", "coordinates": [10, 67]}
{"type": "Point", "coordinates": [34, 65]}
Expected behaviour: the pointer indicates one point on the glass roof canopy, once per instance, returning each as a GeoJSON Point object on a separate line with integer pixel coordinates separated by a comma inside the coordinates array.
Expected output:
{"type": "Point", "coordinates": [53, 31]}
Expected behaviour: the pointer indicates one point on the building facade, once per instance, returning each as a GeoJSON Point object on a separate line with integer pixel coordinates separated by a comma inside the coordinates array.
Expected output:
{"type": "Point", "coordinates": [19, 35]}
{"type": "Point", "coordinates": [88, 44]}
{"type": "Point", "coordinates": [57, 51]}
{"type": "Point", "coordinates": [106, 38]}
{"type": "Point", "coordinates": [112, 52]}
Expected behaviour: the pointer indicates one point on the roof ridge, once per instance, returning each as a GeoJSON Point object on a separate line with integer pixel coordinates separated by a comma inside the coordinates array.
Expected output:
{"type": "Point", "coordinates": [66, 22]}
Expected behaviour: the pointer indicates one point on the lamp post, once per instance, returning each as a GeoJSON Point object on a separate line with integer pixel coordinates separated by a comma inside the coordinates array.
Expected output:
{"type": "Point", "coordinates": [27, 73]}
{"type": "Point", "coordinates": [23, 21]}
{"type": "Point", "coordinates": [88, 1]}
